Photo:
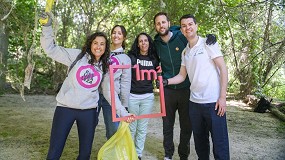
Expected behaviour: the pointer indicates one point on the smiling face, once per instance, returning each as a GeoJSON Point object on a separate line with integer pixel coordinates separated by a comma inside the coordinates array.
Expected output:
{"type": "Point", "coordinates": [189, 28]}
{"type": "Point", "coordinates": [162, 25]}
{"type": "Point", "coordinates": [143, 44]}
{"type": "Point", "coordinates": [98, 47]}
{"type": "Point", "coordinates": [117, 37]}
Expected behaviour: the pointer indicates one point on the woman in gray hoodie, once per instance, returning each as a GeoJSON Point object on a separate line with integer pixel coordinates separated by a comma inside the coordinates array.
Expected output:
{"type": "Point", "coordinates": [78, 97]}
{"type": "Point", "coordinates": [122, 82]}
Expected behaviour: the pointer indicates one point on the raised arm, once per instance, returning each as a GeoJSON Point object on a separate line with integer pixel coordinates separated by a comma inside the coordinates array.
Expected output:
{"type": "Point", "coordinates": [60, 54]}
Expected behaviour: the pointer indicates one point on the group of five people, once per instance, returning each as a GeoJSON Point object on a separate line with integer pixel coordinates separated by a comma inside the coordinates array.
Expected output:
{"type": "Point", "coordinates": [179, 51]}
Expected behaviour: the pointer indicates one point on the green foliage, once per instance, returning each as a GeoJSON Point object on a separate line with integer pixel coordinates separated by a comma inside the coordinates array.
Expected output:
{"type": "Point", "coordinates": [42, 80]}
{"type": "Point", "coordinates": [15, 71]}
{"type": "Point", "coordinates": [252, 53]}
{"type": "Point", "coordinates": [277, 86]}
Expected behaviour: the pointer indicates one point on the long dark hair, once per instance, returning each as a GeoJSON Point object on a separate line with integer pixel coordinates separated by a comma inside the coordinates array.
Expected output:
{"type": "Point", "coordinates": [135, 50]}
{"type": "Point", "coordinates": [124, 31]}
{"type": "Point", "coordinates": [87, 49]}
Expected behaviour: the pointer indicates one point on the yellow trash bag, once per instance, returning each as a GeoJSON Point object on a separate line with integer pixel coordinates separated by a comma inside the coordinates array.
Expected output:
{"type": "Point", "coordinates": [120, 146]}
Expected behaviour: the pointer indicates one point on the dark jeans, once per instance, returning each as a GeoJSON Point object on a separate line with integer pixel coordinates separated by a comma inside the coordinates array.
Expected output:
{"type": "Point", "coordinates": [204, 119]}
{"type": "Point", "coordinates": [177, 99]}
{"type": "Point", "coordinates": [63, 120]}
{"type": "Point", "coordinates": [111, 127]}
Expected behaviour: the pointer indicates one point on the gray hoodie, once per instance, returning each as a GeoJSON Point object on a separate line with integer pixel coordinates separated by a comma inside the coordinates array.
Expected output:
{"type": "Point", "coordinates": [80, 88]}
{"type": "Point", "coordinates": [122, 83]}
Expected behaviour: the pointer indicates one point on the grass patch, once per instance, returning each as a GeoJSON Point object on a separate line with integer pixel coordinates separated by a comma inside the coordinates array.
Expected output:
{"type": "Point", "coordinates": [281, 127]}
{"type": "Point", "coordinates": [25, 130]}
{"type": "Point", "coordinates": [29, 129]}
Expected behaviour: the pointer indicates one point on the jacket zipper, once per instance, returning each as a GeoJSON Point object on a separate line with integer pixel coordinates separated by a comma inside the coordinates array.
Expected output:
{"type": "Point", "coordinates": [171, 62]}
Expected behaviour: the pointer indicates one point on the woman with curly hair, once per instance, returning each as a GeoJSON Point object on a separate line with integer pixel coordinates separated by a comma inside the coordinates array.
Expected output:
{"type": "Point", "coordinates": [77, 99]}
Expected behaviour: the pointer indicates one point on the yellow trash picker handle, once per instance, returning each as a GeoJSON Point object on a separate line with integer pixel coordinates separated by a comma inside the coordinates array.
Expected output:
{"type": "Point", "coordinates": [48, 8]}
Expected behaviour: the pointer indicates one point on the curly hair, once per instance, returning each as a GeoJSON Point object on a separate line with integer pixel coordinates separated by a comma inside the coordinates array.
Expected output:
{"type": "Point", "coordinates": [87, 49]}
{"type": "Point", "coordinates": [135, 50]}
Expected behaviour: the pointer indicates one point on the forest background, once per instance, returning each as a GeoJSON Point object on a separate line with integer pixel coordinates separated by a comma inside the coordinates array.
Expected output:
{"type": "Point", "coordinates": [251, 34]}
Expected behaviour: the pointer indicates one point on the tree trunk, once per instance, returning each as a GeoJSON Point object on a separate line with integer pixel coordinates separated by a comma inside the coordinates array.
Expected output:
{"type": "Point", "coordinates": [3, 55]}
{"type": "Point", "coordinates": [277, 113]}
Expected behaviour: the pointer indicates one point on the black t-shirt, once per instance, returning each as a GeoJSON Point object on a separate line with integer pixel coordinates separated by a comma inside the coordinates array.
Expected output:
{"type": "Point", "coordinates": [145, 64]}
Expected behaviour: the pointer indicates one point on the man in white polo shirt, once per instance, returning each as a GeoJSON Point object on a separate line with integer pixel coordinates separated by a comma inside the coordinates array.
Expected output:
{"type": "Point", "coordinates": [208, 75]}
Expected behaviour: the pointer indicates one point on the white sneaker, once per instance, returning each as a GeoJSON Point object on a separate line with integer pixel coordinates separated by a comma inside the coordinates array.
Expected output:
{"type": "Point", "coordinates": [166, 158]}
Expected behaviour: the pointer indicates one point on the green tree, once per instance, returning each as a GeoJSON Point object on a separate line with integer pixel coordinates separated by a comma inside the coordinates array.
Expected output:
{"type": "Point", "coordinates": [6, 8]}
{"type": "Point", "coordinates": [255, 45]}
{"type": "Point", "coordinates": [251, 34]}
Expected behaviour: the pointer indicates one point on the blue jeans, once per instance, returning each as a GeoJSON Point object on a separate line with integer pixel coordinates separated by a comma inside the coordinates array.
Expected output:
{"type": "Point", "coordinates": [63, 120]}
{"type": "Point", "coordinates": [138, 128]}
{"type": "Point", "coordinates": [204, 119]}
{"type": "Point", "coordinates": [111, 127]}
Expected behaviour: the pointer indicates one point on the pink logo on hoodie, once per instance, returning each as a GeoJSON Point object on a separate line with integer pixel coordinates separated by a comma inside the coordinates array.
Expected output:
{"type": "Point", "coordinates": [114, 61]}
{"type": "Point", "coordinates": [88, 76]}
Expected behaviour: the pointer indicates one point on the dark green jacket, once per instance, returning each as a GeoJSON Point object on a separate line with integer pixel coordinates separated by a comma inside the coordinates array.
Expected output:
{"type": "Point", "coordinates": [170, 55]}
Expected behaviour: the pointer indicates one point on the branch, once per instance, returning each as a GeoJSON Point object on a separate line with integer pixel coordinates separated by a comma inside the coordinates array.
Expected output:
{"type": "Point", "coordinates": [233, 45]}
{"type": "Point", "coordinates": [135, 24]}
{"type": "Point", "coordinates": [267, 27]}
{"type": "Point", "coordinates": [250, 3]}
{"type": "Point", "coordinates": [274, 58]}
{"type": "Point", "coordinates": [230, 83]}
{"type": "Point", "coordinates": [6, 16]}
{"type": "Point", "coordinates": [82, 7]}
{"type": "Point", "coordinates": [276, 112]}
{"type": "Point", "coordinates": [280, 52]}
{"type": "Point", "coordinates": [280, 85]}
{"type": "Point", "coordinates": [261, 52]}
{"type": "Point", "coordinates": [105, 17]}
{"type": "Point", "coordinates": [265, 83]}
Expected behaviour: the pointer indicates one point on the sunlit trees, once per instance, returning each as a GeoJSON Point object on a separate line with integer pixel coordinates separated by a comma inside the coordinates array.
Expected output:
{"type": "Point", "coordinates": [251, 34]}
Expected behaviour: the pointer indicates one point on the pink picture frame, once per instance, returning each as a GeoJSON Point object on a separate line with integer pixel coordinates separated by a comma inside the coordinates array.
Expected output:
{"type": "Point", "coordinates": [113, 104]}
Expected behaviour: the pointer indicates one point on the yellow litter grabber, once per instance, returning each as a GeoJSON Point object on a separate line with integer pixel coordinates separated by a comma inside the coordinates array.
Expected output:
{"type": "Point", "coordinates": [48, 8]}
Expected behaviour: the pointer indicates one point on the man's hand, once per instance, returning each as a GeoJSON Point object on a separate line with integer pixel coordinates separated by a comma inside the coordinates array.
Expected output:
{"type": "Point", "coordinates": [46, 19]}
{"type": "Point", "coordinates": [211, 39]}
{"type": "Point", "coordinates": [164, 82]}
{"type": "Point", "coordinates": [221, 106]}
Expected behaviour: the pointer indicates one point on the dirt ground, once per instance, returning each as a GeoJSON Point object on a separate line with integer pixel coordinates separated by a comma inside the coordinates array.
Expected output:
{"type": "Point", "coordinates": [25, 128]}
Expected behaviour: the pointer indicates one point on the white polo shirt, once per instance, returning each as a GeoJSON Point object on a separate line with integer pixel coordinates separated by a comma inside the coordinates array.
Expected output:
{"type": "Point", "coordinates": [202, 71]}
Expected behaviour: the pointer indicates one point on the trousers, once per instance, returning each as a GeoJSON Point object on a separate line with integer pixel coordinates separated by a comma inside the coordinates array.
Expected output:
{"type": "Point", "coordinates": [86, 121]}
{"type": "Point", "coordinates": [177, 100]}
{"type": "Point", "coordinates": [111, 127]}
{"type": "Point", "coordinates": [138, 128]}
{"type": "Point", "coordinates": [205, 121]}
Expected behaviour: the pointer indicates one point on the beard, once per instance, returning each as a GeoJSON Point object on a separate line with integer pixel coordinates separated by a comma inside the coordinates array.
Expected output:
{"type": "Point", "coordinates": [163, 34]}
